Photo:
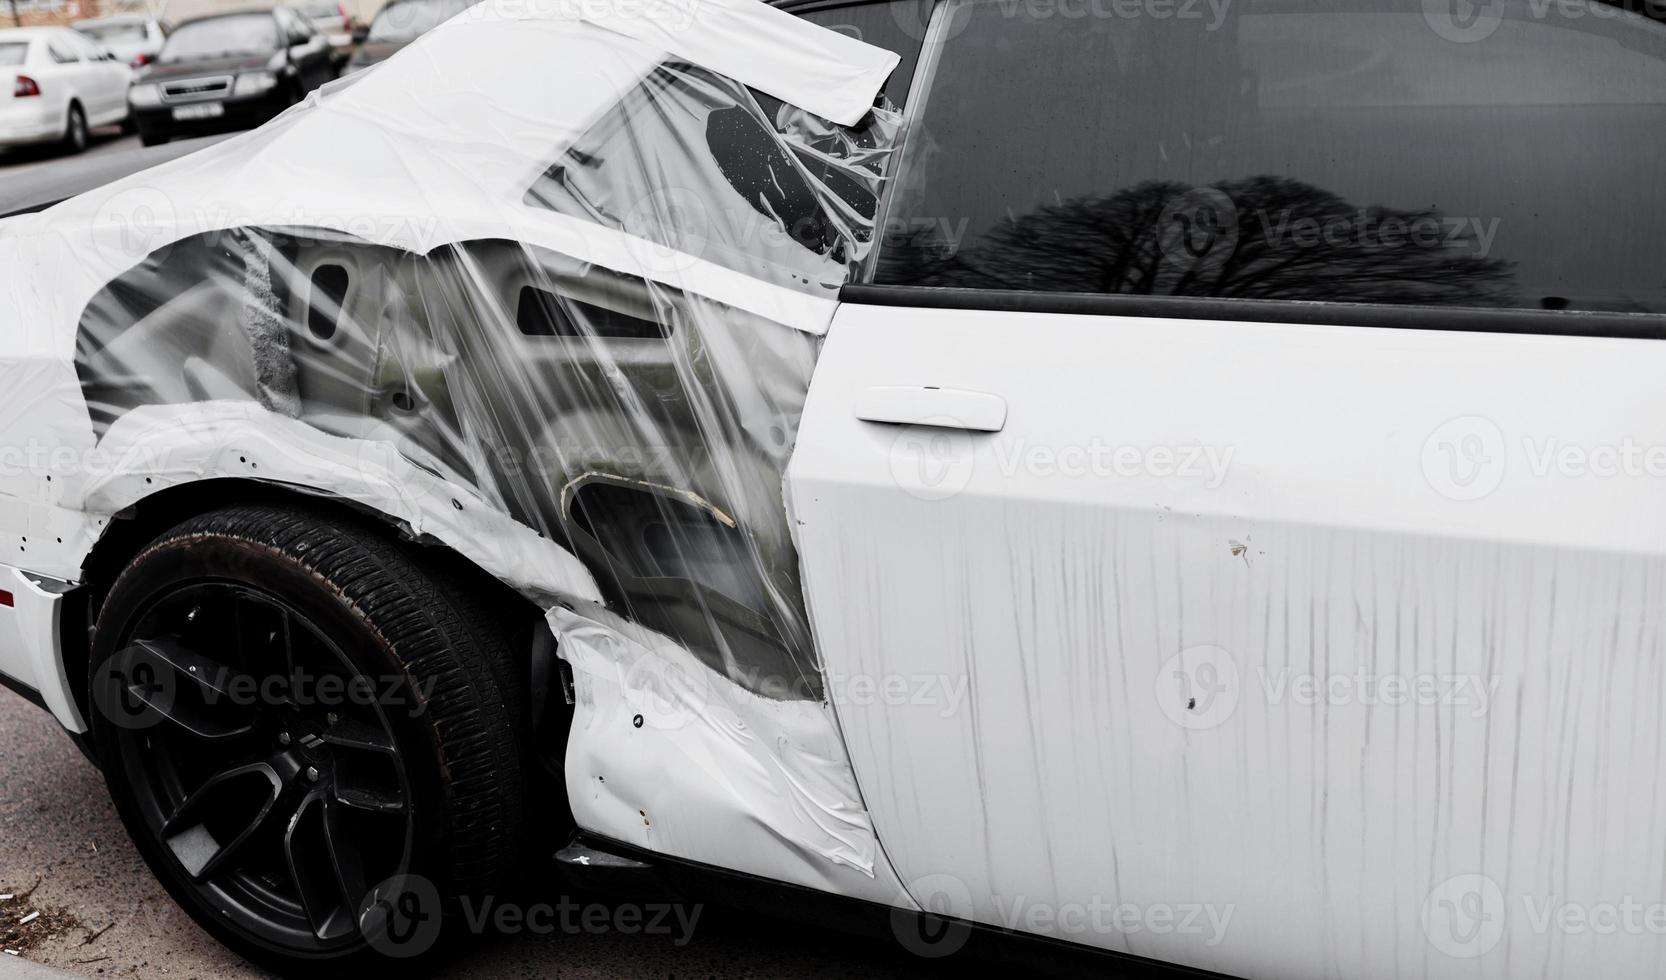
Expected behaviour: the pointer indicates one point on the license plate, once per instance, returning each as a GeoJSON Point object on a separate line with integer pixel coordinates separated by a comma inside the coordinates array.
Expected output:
{"type": "Point", "coordinates": [208, 110]}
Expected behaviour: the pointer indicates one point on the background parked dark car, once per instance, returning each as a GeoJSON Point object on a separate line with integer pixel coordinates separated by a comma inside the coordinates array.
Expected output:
{"type": "Point", "coordinates": [227, 72]}
{"type": "Point", "coordinates": [400, 23]}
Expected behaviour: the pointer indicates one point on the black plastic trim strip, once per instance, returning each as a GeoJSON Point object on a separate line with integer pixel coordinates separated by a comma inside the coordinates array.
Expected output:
{"type": "Point", "coordinates": [1558, 323]}
{"type": "Point", "coordinates": [33, 696]}
{"type": "Point", "coordinates": [806, 6]}
{"type": "Point", "coordinates": [691, 881]}
{"type": "Point", "coordinates": [22, 690]}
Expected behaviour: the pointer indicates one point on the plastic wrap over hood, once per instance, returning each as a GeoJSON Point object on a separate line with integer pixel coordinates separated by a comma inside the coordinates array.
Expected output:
{"type": "Point", "coordinates": [547, 287]}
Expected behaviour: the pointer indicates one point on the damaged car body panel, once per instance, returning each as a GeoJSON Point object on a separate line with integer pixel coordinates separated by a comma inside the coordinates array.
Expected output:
{"type": "Point", "coordinates": [508, 338]}
{"type": "Point", "coordinates": [1121, 567]}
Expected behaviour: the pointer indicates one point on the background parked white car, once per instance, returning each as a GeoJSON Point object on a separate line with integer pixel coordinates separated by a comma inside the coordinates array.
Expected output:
{"type": "Point", "coordinates": [55, 85]}
{"type": "Point", "coordinates": [133, 38]}
{"type": "Point", "coordinates": [332, 20]}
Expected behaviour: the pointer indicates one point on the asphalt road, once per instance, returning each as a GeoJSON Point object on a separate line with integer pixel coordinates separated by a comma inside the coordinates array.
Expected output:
{"type": "Point", "coordinates": [27, 159]}
{"type": "Point", "coordinates": [103, 915]}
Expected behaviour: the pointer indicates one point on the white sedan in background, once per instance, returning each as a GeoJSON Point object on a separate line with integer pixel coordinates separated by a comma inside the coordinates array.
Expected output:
{"type": "Point", "coordinates": [331, 20]}
{"type": "Point", "coordinates": [133, 38]}
{"type": "Point", "coordinates": [56, 85]}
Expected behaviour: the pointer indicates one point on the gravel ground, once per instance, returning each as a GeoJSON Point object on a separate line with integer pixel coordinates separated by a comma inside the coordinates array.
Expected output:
{"type": "Point", "coordinates": [103, 915]}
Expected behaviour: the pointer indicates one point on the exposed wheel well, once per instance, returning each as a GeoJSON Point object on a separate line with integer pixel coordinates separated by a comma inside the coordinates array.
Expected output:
{"type": "Point", "coordinates": [131, 529]}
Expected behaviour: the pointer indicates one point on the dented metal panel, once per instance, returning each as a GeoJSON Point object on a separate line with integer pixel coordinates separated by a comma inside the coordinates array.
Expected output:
{"type": "Point", "coordinates": [569, 337]}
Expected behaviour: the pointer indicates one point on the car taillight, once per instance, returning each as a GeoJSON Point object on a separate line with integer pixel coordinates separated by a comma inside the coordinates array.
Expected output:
{"type": "Point", "coordinates": [346, 21]}
{"type": "Point", "coordinates": [141, 60]}
{"type": "Point", "coordinates": [25, 87]}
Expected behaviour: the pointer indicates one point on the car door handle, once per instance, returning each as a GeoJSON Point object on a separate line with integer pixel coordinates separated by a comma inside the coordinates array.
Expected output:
{"type": "Point", "coordinates": [948, 408]}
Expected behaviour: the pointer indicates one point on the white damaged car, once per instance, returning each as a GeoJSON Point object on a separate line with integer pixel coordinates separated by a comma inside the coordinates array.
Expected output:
{"type": "Point", "coordinates": [1179, 480]}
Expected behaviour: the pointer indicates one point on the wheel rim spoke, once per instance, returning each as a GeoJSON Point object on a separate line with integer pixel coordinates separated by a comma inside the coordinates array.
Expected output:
{"type": "Point", "coordinates": [213, 679]}
{"type": "Point", "coordinates": [366, 768]}
{"type": "Point", "coordinates": [264, 634]}
{"type": "Point", "coordinates": [347, 859]}
{"type": "Point", "coordinates": [197, 695]}
{"type": "Point", "coordinates": [355, 736]}
{"type": "Point", "coordinates": [362, 794]}
{"type": "Point", "coordinates": [238, 801]}
{"type": "Point", "coordinates": [313, 868]}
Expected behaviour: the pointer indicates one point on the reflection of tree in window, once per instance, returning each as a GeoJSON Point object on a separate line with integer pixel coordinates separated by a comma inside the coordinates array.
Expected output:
{"type": "Point", "coordinates": [1533, 152]}
{"type": "Point", "coordinates": [1263, 238]}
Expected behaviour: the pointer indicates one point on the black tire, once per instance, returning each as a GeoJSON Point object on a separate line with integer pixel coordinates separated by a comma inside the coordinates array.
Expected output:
{"type": "Point", "coordinates": [75, 130]}
{"type": "Point", "coordinates": [446, 695]}
{"type": "Point", "coordinates": [130, 125]}
{"type": "Point", "coordinates": [153, 139]}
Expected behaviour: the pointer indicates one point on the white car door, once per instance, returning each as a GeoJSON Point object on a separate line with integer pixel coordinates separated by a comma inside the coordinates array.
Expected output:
{"type": "Point", "coordinates": [67, 75]}
{"type": "Point", "coordinates": [107, 80]}
{"type": "Point", "coordinates": [1296, 611]}
{"type": "Point", "coordinates": [91, 79]}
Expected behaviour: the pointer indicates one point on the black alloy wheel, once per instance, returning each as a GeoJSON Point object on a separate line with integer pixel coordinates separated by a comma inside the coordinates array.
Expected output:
{"type": "Point", "coordinates": [291, 710]}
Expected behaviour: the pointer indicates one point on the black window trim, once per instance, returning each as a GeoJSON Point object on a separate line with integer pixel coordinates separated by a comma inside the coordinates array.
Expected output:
{"type": "Point", "coordinates": [1558, 323]}
{"type": "Point", "coordinates": [797, 7]}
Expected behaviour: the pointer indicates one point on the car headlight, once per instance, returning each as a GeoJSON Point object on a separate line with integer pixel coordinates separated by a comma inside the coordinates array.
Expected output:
{"type": "Point", "coordinates": [254, 83]}
{"type": "Point", "coordinates": [144, 95]}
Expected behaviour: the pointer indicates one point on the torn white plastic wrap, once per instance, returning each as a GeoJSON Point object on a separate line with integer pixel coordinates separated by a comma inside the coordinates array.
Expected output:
{"type": "Point", "coordinates": [779, 763]}
{"type": "Point", "coordinates": [547, 288]}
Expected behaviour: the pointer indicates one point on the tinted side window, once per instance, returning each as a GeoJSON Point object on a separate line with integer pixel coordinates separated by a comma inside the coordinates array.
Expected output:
{"type": "Point", "coordinates": [1368, 152]}
{"type": "Point", "coordinates": [898, 25]}
{"type": "Point", "coordinates": [86, 48]}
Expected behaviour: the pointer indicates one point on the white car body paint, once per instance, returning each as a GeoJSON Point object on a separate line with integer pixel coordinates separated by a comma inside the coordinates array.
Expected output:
{"type": "Point", "coordinates": [830, 74]}
{"type": "Point", "coordinates": [789, 810]}
{"type": "Point", "coordinates": [125, 47]}
{"type": "Point", "coordinates": [30, 628]}
{"type": "Point", "coordinates": [1166, 699]}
